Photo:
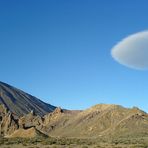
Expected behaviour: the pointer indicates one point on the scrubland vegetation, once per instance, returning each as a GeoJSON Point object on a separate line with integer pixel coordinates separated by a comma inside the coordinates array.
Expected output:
{"type": "Point", "coordinates": [127, 142]}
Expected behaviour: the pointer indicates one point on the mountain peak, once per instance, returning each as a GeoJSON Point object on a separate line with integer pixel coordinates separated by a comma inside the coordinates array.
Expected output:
{"type": "Point", "coordinates": [21, 103]}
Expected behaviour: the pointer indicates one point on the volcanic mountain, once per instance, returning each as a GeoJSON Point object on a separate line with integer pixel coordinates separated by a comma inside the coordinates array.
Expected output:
{"type": "Point", "coordinates": [21, 103]}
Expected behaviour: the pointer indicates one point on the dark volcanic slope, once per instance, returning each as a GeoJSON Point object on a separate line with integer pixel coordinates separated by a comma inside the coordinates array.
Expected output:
{"type": "Point", "coordinates": [22, 103]}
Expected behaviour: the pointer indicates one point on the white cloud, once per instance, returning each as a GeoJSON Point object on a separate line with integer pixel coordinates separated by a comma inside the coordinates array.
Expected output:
{"type": "Point", "coordinates": [132, 51]}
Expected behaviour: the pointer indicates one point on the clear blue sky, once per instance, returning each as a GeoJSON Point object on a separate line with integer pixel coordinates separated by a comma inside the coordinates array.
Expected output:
{"type": "Point", "coordinates": [59, 50]}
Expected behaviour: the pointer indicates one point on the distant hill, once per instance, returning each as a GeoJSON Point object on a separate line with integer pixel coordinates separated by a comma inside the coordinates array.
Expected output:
{"type": "Point", "coordinates": [21, 103]}
{"type": "Point", "coordinates": [98, 121]}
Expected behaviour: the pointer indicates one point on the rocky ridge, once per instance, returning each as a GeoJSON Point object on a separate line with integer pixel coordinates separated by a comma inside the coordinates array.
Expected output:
{"type": "Point", "coordinates": [100, 120]}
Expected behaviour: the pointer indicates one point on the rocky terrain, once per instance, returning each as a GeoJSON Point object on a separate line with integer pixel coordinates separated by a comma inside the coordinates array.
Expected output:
{"type": "Point", "coordinates": [97, 121]}
{"type": "Point", "coordinates": [102, 121]}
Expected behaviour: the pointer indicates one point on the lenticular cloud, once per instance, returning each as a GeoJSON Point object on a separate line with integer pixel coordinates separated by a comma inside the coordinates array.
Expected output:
{"type": "Point", "coordinates": [132, 51]}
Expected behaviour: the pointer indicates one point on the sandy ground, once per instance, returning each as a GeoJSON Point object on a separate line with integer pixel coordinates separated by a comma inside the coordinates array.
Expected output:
{"type": "Point", "coordinates": [69, 146]}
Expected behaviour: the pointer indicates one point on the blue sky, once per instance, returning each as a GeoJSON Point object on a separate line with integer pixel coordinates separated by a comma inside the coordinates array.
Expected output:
{"type": "Point", "coordinates": [59, 50]}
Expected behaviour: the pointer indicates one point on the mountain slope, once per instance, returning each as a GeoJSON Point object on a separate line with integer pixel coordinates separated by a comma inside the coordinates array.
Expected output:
{"type": "Point", "coordinates": [20, 103]}
{"type": "Point", "coordinates": [100, 120]}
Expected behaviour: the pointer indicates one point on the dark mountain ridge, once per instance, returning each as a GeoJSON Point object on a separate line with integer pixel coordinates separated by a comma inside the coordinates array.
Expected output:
{"type": "Point", "coordinates": [21, 103]}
